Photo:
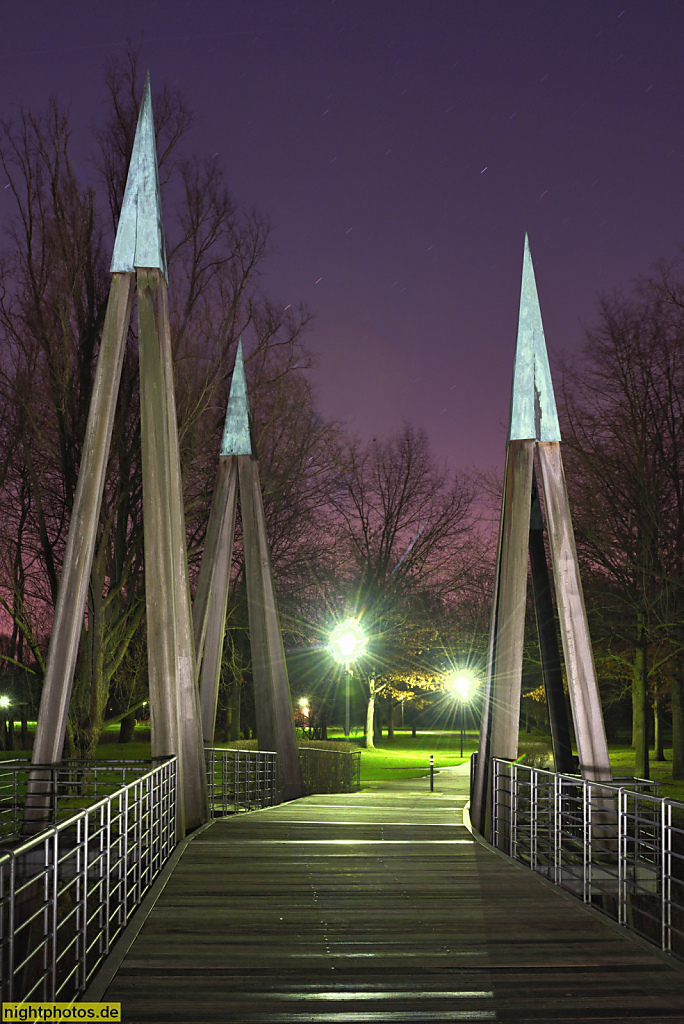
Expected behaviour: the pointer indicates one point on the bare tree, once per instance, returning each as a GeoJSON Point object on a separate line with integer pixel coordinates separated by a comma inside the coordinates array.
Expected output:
{"type": "Point", "coordinates": [404, 523]}
{"type": "Point", "coordinates": [625, 435]}
{"type": "Point", "coordinates": [54, 283]}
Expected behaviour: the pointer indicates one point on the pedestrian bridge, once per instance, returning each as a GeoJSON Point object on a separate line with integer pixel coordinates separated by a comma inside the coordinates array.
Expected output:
{"type": "Point", "coordinates": [373, 906]}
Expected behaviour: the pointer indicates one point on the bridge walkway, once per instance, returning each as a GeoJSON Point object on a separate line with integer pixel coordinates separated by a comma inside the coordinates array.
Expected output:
{"type": "Point", "coordinates": [372, 907]}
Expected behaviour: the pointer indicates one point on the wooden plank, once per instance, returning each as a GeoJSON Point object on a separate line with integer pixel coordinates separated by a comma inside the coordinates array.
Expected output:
{"type": "Point", "coordinates": [211, 596]}
{"type": "Point", "coordinates": [195, 777]}
{"type": "Point", "coordinates": [268, 655]}
{"type": "Point", "coordinates": [174, 701]}
{"type": "Point", "coordinates": [511, 601]}
{"type": "Point", "coordinates": [159, 591]}
{"type": "Point", "coordinates": [379, 920]}
{"type": "Point", "coordinates": [223, 502]}
{"type": "Point", "coordinates": [78, 557]}
{"type": "Point", "coordinates": [585, 701]}
{"type": "Point", "coordinates": [481, 799]}
{"type": "Point", "coordinates": [258, 637]}
{"type": "Point", "coordinates": [548, 641]}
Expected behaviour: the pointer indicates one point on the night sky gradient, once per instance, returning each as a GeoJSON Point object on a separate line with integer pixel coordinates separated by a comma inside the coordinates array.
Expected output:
{"type": "Point", "coordinates": [402, 149]}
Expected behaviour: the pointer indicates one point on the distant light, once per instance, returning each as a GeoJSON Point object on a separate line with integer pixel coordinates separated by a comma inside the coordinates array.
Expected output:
{"type": "Point", "coordinates": [347, 642]}
{"type": "Point", "coordinates": [4, 702]}
{"type": "Point", "coordinates": [463, 686]}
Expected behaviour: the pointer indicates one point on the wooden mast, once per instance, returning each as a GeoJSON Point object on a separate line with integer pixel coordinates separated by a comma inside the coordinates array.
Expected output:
{"type": "Point", "coordinates": [272, 702]}
{"type": "Point", "coordinates": [533, 425]}
{"type": "Point", "coordinates": [211, 596]}
{"type": "Point", "coordinates": [139, 258]}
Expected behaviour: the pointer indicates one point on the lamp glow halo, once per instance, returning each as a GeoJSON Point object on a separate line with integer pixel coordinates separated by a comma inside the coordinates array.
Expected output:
{"type": "Point", "coordinates": [347, 642]}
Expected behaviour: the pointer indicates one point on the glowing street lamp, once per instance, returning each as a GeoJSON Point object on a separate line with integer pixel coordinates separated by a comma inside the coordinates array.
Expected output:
{"type": "Point", "coordinates": [462, 685]}
{"type": "Point", "coordinates": [347, 642]}
{"type": "Point", "coordinates": [305, 712]}
{"type": "Point", "coordinates": [4, 702]}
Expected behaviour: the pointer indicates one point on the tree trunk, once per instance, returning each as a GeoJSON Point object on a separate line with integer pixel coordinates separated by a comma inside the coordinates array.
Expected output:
{"type": "Point", "coordinates": [677, 723]}
{"type": "Point", "coordinates": [640, 709]}
{"type": "Point", "coordinates": [127, 728]}
{"type": "Point", "coordinates": [370, 715]}
{"type": "Point", "coordinates": [234, 712]}
{"type": "Point", "coordinates": [658, 720]}
{"type": "Point", "coordinates": [390, 719]}
{"type": "Point", "coordinates": [90, 690]}
{"type": "Point", "coordinates": [221, 733]}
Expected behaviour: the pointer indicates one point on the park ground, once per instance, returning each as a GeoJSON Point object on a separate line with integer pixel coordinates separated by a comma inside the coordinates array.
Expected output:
{"type": "Point", "coordinates": [406, 756]}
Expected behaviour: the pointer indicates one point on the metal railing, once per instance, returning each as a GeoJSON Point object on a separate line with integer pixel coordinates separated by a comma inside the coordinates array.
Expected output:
{"type": "Point", "coordinates": [68, 892]}
{"type": "Point", "coordinates": [55, 792]}
{"type": "Point", "coordinates": [619, 848]}
{"type": "Point", "coordinates": [241, 780]}
{"type": "Point", "coordinates": [330, 771]}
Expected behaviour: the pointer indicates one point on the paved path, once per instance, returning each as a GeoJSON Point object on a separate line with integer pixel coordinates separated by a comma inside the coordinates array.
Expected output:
{"type": "Point", "coordinates": [373, 907]}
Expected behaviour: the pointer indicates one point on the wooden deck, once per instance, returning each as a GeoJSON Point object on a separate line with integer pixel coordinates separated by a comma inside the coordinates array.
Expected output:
{"type": "Point", "coordinates": [377, 906]}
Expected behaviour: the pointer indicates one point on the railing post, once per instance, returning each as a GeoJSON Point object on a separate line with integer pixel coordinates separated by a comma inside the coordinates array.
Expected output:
{"type": "Point", "coordinates": [557, 824]}
{"type": "Point", "coordinates": [236, 771]}
{"type": "Point", "coordinates": [82, 864]}
{"type": "Point", "coordinates": [622, 856]}
{"type": "Point", "coordinates": [495, 803]}
{"type": "Point", "coordinates": [54, 840]}
{"type": "Point", "coordinates": [534, 818]}
{"type": "Point", "coordinates": [666, 875]}
{"type": "Point", "coordinates": [513, 812]}
{"type": "Point", "coordinates": [11, 926]}
{"type": "Point", "coordinates": [588, 856]}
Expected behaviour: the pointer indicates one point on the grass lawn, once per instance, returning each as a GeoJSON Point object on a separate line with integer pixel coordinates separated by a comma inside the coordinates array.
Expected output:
{"type": "Point", "coordinates": [622, 761]}
{"type": "Point", "coordinates": [408, 757]}
{"type": "Point", "coordinates": [405, 756]}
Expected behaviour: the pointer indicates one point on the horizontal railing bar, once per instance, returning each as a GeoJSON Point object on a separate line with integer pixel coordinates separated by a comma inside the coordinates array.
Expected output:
{"type": "Point", "coordinates": [612, 845]}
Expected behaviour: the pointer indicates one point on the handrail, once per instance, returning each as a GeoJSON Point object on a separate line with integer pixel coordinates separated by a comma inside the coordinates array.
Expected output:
{"type": "Point", "coordinates": [240, 780]}
{"type": "Point", "coordinates": [616, 847]}
{"type": "Point", "coordinates": [69, 891]}
{"type": "Point", "coordinates": [330, 771]}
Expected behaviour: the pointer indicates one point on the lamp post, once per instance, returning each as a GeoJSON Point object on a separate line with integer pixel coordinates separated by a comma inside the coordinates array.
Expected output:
{"type": "Point", "coordinates": [346, 643]}
{"type": "Point", "coordinates": [305, 711]}
{"type": "Point", "coordinates": [462, 685]}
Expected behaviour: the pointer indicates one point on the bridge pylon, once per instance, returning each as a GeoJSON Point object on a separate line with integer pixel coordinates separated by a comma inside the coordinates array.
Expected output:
{"type": "Point", "coordinates": [138, 264]}
{"type": "Point", "coordinates": [238, 469]}
{"type": "Point", "coordinates": [534, 433]}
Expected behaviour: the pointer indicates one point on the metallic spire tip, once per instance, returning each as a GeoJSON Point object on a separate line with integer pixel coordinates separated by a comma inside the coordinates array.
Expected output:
{"type": "Point", "coordinates": [140, 234]}
{"type": "Point", "coordinates": [533, 405]}
{"type": "Point", "coordinates": [237, 432]}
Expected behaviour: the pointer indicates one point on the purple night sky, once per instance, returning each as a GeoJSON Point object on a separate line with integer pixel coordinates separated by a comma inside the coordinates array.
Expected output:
{"type": "Point", "coordinates": [403, 148]}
